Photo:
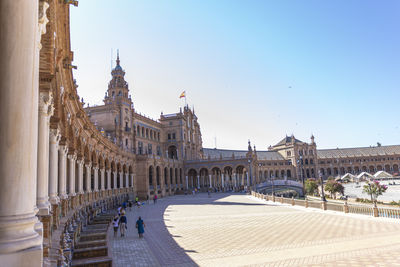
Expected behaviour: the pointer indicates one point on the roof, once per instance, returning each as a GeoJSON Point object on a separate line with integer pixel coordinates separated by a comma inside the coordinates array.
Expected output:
{"type": "Point", "coordinates": [364, 174]}
{"type": "Point", "coordinates": [358, 151]}
{"type": "Point", "coordinates": [227, 153]}
{"type": "Point", "coordinates": [288, 139]}
{"type": "Point", "coordinates": [382, 174]}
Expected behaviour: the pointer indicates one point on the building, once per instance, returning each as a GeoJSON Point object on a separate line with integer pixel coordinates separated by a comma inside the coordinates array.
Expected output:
{"type": "Point", "coordinates": [61, 163]}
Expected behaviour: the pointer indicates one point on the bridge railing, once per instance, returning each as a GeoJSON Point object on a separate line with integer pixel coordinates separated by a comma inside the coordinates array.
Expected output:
{"type": "Point", "coordinates": [387, 212]}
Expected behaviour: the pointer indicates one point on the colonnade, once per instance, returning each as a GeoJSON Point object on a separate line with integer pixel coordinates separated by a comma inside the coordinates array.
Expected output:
{"type": "Point", "coordinates": [217, 180]}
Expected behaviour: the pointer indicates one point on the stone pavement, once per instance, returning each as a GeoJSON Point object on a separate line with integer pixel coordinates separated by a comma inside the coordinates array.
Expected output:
{"type": "Point", "coordinates": [238, 230]}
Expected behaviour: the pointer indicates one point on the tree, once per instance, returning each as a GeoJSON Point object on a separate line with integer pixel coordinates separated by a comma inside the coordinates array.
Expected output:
{"type": "Point", "coordinates": [311, 186]}
{"type": "Point", "coordinates": [334, 187]}
{"type": "Point", "coordinates": [374, 189]}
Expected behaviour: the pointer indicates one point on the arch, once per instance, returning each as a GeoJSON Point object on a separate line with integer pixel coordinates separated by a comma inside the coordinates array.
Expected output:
{"type": "Point", "coordinates": [172, 152]}
{"type": "Point", "coordinates": [335, 171]}
{"type": "Point", "coordinates": [342, 171]}
{"type": "Point", "coordinates": [395, 168]}
{"type": "Point", "coordinates": [379, 167]}
{"type": "Point", "coordinates": [151, 174]}
{"type": "Point", "coordinates": [158, 176]}
{"type": "Point", "coordinates": [288, 174]}
{"type": "Point", "coordinates": [387, 168]}
{"type": "Point", "coordinates": [166, 176]}
{"type": "Point", "coordinates": [308, 173]}
{"type": "Point", "coordinates": [322, 171]}
{"type": "Point", "coordinates": [171, 175]}
{"type": "Point", "coordinates": [328, 171]}
{"type": "Point", "coordinates": [371, 169]}
{"type": "Point", "coordinates": [176, 176]}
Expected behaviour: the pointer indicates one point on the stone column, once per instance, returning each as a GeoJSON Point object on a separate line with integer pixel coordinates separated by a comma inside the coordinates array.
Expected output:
{"type": "Point", "coordinates": [247, 179]}
{"type": "Point", "coordinates": [198, 182]}
{"type": "Point", "coordinates": [132, 179]}
{"type": "Point", "coordinates": [121, 178]}
{"type": "Point", "coordinates": [126, 180]}
{"type": "Point", "coordinates": [71, 174]}
{"type": "Point", "coordinates": [115, 180]}
{"type": "Point", "coordinates": [88, 178]}
{"type": "Point", "coordinates": [102, 178]}
{"type": "Point", "coordinates": [62, 172]}
{"type": "Point", "coordinates": [81, 163]}
{"type": "Point", "coordinates": [45, 111]}
{"type": "Point", "coordinates": [234, 177]}
{"type": "Point", "coordinates": [96, 178]}
{"type": "Point", "coordinates": [53, 167]}
{"type": "Point", "coordinates": [209, 176]}
{"type": "Point", "coordinates": [222, 180]}
{"type": "Point", "coordinates": [20, 244]}
{"type": "Point", "coordinates": [187, 182]}
{"type": "Point", "coordinates": [108, 179]}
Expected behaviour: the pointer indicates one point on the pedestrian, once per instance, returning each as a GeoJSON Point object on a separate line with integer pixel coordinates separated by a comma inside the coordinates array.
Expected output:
{"type": "Point", "coordinates": [136, 200]}
{"type": "Point", "coordinates": [147, 200]}
{"type": "Point", "coordinates": [140, 226]}
{"type": "Point", "coordinates": [119, 210]}
{"type": "Point", "coordinates": [124, 205]}
{"type": "Point", "coordinates": [115, 225]}
{"type": "Point", "coordinates": [123, 223]}
{"type": "Point", "coordinates": [155, 199]}
{"type": "Point", "coordinates": [130, 205]}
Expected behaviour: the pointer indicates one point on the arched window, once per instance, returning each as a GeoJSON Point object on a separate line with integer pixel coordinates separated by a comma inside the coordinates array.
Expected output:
{"type": "Point", "coordinates": [151, 175]}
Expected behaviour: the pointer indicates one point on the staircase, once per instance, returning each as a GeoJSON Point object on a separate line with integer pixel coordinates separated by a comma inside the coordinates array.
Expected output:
{"type": "Point", "coordinates": [91, 250]}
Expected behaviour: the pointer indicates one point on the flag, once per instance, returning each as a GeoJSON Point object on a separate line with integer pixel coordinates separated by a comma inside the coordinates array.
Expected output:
{"type": "Point", "coordinates": [183, 94]}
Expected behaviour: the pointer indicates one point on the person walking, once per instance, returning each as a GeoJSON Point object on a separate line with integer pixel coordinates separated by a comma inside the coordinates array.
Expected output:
{"type": "Point", "coordinates": [155, 199]}
{"type": "Point", "coordinates": [115, 223]}
{"type": "Point", "coordinates": [130, 205]}
{"type": "Point", "coordinates": [123, 224]}
{"type": "Point", "coordinates": [140, 226]}
{"type": "Point", "coordinates": [147, 200]}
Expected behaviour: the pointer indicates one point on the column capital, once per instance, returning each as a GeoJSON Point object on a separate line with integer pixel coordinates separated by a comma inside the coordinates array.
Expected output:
{"type": "Point", "coordinates": [72, 156]}
{"type": "Point", "coordinates": [46, 103]}
{"type": "Point", "coordinates": [88, 165]}
{"type": "Point", "coordinates": [80, 162]}
{"type": "Point", "coordinates": [54, 135]}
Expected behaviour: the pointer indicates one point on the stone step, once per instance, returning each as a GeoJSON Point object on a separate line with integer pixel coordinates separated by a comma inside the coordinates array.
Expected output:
{"type": "Point", "coordinates": [92, 252]}
{"type": "Point", "coordinates": [97, 226]}
{"type": "Point", "coordinates": [92, 236]}
{"type": "Point", "coordinates": [93, 262]}
{"type": "Point", "coordinates": [94, 222]}
{"type": "Point", "coordinates": [90, 244]}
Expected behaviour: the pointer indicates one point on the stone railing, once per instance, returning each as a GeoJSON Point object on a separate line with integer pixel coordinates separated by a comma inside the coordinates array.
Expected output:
{"type": "Point", "coordinates": [386, 212]}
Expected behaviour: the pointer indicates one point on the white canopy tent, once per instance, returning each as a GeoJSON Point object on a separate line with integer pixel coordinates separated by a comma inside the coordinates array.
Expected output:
{"type": "Point", "coordinates": [383, 175]}
{"type": "Point", "coordinates": [365, 176]}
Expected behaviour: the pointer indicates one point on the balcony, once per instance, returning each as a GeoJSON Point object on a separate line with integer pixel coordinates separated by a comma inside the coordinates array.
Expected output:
{"type": "Point", "coordinates": [127, 129]}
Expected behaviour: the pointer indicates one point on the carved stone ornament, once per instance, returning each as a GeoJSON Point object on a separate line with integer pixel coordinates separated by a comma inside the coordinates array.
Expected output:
{"type": "Point", "coordinates": [43, 20]}
{"type": "Point", "coordinates": [46, 103]}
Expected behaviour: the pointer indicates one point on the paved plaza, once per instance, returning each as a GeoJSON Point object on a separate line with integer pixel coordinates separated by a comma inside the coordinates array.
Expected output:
{"type": "Point", "coordinates": [238, 230]}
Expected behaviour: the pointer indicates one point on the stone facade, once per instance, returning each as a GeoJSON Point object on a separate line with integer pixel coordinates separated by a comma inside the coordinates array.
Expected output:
{"type": "Point", "coordinates": [61, 163]}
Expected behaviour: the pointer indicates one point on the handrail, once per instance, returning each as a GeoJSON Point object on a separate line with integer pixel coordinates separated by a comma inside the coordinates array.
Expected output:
{"type": "Point", "coordinates": [387, 212]}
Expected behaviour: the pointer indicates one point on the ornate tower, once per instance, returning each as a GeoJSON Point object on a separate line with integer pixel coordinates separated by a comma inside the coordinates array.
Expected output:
{"type": "Point", "coordinates": [117, 98]}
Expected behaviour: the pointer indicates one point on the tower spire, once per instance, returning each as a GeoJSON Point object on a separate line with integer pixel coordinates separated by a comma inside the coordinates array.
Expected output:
{"type": "Point", "coordinates": [117, 57]}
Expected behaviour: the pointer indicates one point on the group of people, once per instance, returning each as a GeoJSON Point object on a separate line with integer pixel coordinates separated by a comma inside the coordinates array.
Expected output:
{"type": "Point", "coordinates": [120, 221]}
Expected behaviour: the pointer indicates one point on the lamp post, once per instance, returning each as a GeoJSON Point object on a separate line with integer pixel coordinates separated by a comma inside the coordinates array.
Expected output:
{"type": "Point", "coordinates": [249, 161]}
{"type": "Point", "coordinates": [273, 184]}
{"type": "Point", "coordinates": [322, 187]}
{"type": "Point", "coordinates": [300, 161]}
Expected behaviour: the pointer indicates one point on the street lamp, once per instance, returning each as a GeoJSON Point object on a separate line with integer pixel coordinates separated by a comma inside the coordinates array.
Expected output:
{"type": "Point", "coordinates": [322, 187]}
{"type": "Point", "coordinates": [273, 184]}
{"type": "Point", "coordinates": [300, 161]}
{"type": "Point", "coordinates": [250, 173]}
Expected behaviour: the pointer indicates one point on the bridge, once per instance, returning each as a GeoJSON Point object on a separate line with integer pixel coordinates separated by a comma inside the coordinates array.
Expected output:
{"type": "Point", "coordinates": [280, 187]}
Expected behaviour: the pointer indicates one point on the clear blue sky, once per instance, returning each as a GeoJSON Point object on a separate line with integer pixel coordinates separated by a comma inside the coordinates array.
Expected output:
{"type": "Point", "coordinates": [252, 69]}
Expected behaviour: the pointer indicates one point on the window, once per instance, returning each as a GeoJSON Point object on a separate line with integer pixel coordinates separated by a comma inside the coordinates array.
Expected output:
{"type": "Point", "coordinates": [158, 151]}
{"type": "Point", "coordinates": [169, 136]}
{"type": "Point", "coordinates": [173, 136]}
{"type": "Point", "coordinates": [288, 153]}
{"type": "Point", "coordinates": [140, 148]}
{"type": "Point", "coordinates": [126, 142]}
{"type": "Point", "coordinates": [150, 149]}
